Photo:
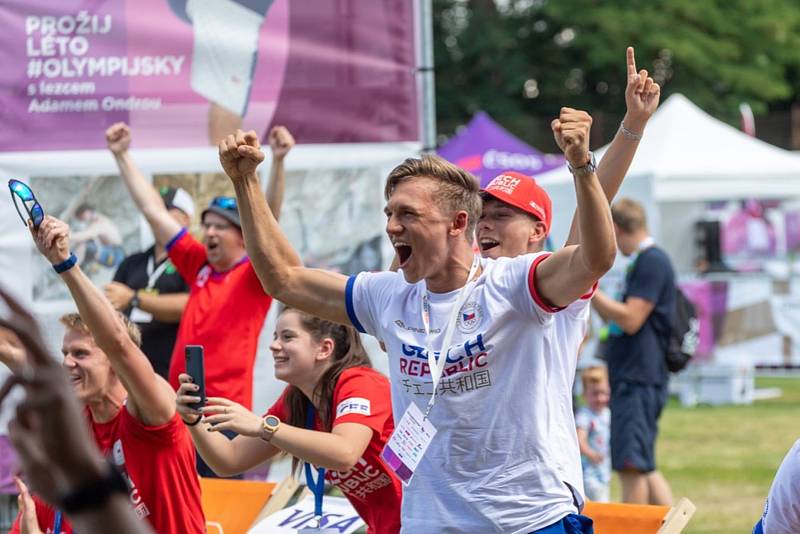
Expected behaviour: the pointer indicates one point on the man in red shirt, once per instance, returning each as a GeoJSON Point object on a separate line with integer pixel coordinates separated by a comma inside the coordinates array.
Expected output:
{"type": "Point", "coordinates": [227, 305]}
{"type": "Point", "coordinates": [130, 409]}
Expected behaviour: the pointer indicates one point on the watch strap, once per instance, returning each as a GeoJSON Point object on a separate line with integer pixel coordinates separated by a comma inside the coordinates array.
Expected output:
{"type": "Point", "coordinates": [67, 264]}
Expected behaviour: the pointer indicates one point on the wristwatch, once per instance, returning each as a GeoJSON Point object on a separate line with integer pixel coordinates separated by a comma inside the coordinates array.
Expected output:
{"type": "Point", "coordinates": [269, 426]}
{"type": "Point", "coordinates": [134, 303]}
{"type": "Point", "coordinates": [586, 170]}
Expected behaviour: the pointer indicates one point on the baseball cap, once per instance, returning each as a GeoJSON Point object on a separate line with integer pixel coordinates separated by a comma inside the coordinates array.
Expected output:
{"type": "Point", "coordinates": [522, 192]}
{"type": "Point", "coordinates": [224, 207]}
{"type": "Point", "coordinates": [175, 197]}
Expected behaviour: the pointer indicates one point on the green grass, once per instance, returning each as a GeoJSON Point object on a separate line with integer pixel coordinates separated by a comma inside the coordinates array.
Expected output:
{"type": "Point", "coordinates": [724, 458]}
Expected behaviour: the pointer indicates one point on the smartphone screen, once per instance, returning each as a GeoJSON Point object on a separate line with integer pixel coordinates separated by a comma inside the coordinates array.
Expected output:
{"type": "Point", "coordinates": [196, 369]}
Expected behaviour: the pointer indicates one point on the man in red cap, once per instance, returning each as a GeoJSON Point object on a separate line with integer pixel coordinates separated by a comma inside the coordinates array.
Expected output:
{"type": "Point", "coordinates": [517, 218]}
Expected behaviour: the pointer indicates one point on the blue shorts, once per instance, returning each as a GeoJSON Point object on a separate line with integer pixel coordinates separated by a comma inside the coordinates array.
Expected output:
{"type": "Point", "coordinates": [572, 524]}
{"type": "Point", "coordinates": [635, 409]}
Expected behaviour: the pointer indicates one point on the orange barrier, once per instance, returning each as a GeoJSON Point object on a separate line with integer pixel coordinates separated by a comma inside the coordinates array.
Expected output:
{"type": "Point", "coordinates": [231, 506]}
{"type": "Point", "coordinates": [616, 518]}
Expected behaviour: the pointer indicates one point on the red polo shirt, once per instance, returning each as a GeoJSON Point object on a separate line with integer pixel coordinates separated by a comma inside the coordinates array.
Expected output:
{"type": "Point", "coordinates": [225, 313]}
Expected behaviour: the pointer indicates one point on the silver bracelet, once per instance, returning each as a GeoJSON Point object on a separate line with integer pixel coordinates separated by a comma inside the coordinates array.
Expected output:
{"type": "Point", "coordinates": [629, 134]}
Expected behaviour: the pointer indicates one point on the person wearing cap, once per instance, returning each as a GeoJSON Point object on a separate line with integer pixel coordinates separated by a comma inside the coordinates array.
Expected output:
{"type": "Point", "coordinates": [480, 471]}
{"type": "Point", "coordinates": [149, 291]}
{"type": "Point", "coordinates": [227, 304]}
{"type": "Point", "coordinates": [517, 219]}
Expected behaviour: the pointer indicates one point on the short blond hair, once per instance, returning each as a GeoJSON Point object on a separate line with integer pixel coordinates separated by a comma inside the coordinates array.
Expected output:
{"type": "Point", "coordinates": [456, 189]}
{"type": "Point", "coordinates": [596, 375]}
{"type": "Point", "coordinates": [73, 321]}
{"type": "Point", "coordinates": [629, 215]}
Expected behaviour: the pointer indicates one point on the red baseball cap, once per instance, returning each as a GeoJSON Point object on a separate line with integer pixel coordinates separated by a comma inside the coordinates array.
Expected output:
{"type": "Point", "coordinates": [522, 192]}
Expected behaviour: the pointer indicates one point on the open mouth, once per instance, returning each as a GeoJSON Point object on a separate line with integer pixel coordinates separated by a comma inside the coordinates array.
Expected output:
{"type": "Point", "coordinates": [487, 244]}
{"type": "Point", "coordinates": [279, 360]}
{"type": "Point", "coordinates": [74, 379]}
{"type": "Point", "coordinates": [403, 252]}
{"type": "Point", "coordinates": [212, 246]}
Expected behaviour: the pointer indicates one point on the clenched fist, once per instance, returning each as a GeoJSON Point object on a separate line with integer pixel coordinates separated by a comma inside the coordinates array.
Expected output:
{"type": "Point", "coordinates": [280, 141]}
{"type": "Point", "coordinates": [571, 132]}
{"type": "Point", "coordinates": [118, 138]}
{"type": "Point", "coordinates": [240, 154]}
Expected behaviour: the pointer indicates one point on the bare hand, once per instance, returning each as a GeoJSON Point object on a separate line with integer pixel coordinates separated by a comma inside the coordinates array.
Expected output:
{"type": "Point", "coordinates": [28, 523]}
{"type": "Point", "coordinates": [280, 141]}
{"type": "Point", "coordinates": [186, 395]}
{"type": "Point", "coordinates": [49, 433]}
{"type": "Point", "coordinates": [595, 457]}
{"type": "Point", "coordinates": [641, 96]}
{"type": "Point", "coordinates": [119, 295]}
{"type": "Point", "coordinates": [118, 138]}
{"type": "Point", "coordinates": [52, 239]}
{"type": "Point", "coordinates": [240, 154]}
{"type": "Point", "coordinates": [12, 353]}
{"type": "Point", "coordinates": [571, 132]}
{"type": "Point", "coordinates": [227, 415]}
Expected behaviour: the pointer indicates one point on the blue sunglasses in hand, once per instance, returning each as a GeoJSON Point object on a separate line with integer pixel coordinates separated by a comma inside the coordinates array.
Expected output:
{"type": "Point", "coordinates": [23, 198]}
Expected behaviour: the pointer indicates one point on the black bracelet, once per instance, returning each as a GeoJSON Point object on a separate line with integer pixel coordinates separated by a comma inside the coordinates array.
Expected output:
{"type": "Point", "coordinates": [196, 421]}
{"type": "Point", "coordinates": [67, 264]}
{"type": "Point", "coordinates": [95, 493]}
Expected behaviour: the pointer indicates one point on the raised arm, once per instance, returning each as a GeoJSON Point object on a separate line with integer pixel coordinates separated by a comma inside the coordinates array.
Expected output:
{"type": "Point", "coordinates": [641, 99]}
{"type": "Point", "coordinates": [166, 308]}
{"type": "Point", "coordinates": [276, 263]}
{"type": "Point", "coordinates": [49, 433]}
{"type": "Point", "coordinates": [280, 142]}
{"type": "Point", "coordinates": [572, 271]}
{"type": "Point", "coordinates": [150, 399]}
{"type": "Point", "coordinates": [147, 199]}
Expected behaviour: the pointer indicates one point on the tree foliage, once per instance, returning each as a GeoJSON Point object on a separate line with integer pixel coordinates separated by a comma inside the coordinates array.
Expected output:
{"type": "Point", "coordinates": [521, 60]}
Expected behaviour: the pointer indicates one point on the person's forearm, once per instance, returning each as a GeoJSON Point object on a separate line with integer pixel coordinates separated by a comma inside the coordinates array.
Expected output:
{"type": "Point", "coordinates": [146, 199]}
{"type": "Point", "coordinates": [116, 511]}
{"type": "Point", "coordinates": [323, 449]}
{"type": "Point", "coordinates": [100, 317]}
{"type": "Point", "coordinates": [166, 308]}
{"type": "Point", "coordinates": [270, 252]}
{"type": "Point", "coordinates": [276, 187]}
{"type": "Point", "coordinates": [222, 454]}
{"type": "Point", "coordinates": [608, 308]}
{"type": "Point", "coordinates": [144, 196]}
{"type": "Point", "coordinates": [612, 168]}
{"type": "Point", "coordinates": [598, 247]}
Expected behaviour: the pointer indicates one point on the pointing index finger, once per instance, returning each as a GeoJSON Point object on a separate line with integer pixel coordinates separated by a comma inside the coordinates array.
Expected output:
{"type": "Point", "coordinates": [631, 62]}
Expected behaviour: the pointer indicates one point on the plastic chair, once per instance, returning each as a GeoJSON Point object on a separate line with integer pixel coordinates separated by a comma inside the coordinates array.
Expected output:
{"type": "Point", "coordinates": [617, 518]}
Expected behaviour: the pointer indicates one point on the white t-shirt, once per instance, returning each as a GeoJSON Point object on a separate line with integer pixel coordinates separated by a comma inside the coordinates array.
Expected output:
{"type": "Point", "coordinates": [506, 445]}
{"type": "Point", "coordinates": [782, 511]}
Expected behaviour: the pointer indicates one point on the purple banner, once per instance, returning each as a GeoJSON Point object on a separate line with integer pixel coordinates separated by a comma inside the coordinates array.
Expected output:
{"type": "Point", "coordinates": [183, 73]}
{"type": "Point", "coordinates": [486, 149]}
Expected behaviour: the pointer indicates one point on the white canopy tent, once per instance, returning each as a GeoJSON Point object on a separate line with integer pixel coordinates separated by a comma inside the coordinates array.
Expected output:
{"type": "Point", "coordinates": [685, 159]}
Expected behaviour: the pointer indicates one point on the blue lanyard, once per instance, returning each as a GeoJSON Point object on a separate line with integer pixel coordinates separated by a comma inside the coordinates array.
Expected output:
{"type": "Point", "coordinates": [57, 523]}
{"type": "Point", "coordinates": [318, 487]}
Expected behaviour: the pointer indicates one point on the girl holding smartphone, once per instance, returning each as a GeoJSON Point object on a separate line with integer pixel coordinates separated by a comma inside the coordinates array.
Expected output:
{"type": "Point", "coordinates": [335, 414]}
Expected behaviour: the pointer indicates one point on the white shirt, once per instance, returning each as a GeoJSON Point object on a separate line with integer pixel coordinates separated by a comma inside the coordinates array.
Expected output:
{"type": "Point", "coordinates": [782, 511]}
{"type": "Point", "coordinates": [506, 441]}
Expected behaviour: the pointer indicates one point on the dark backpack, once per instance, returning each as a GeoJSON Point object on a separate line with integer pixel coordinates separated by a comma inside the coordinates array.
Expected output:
{"type": "Point", "coordinates": [685, 335]}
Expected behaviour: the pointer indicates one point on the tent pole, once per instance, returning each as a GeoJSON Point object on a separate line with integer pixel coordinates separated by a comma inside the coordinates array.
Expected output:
{"type": "Point", "coordinates": [426, 76]}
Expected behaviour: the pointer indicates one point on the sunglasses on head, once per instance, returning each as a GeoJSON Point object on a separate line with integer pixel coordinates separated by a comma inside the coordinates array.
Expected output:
{"type": "Point", "coordinates": [24, 199]}
{"type": "Point", "coordinates": [226, 203]}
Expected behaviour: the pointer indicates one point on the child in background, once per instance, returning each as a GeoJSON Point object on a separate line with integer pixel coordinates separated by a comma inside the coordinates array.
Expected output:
{"type": "Point", "coordinates": [594, 424]}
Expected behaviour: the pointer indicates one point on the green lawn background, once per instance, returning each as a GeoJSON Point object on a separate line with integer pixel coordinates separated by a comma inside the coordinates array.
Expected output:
{"type": "Point", "coordinates": [724, 458]}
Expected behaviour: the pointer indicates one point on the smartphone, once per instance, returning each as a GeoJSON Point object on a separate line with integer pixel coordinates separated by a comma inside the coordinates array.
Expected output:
{"type": "Point", "coordinates": [196, 369]}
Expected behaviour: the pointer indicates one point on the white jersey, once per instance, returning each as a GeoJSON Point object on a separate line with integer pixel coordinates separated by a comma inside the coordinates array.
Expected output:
{"type": "Point", "coordinates": [782, 511]}
{"type": "Point", "coordinates": [506, 445]}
